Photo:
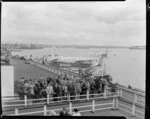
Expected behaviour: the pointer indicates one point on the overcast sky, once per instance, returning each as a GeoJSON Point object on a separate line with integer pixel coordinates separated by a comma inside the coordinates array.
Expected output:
{"type": "Point", "coordinates": [74, 23]}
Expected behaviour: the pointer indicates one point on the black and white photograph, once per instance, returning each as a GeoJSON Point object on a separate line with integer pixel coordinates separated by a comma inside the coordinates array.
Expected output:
{"type": "Point", "coordinates": [84, 58]}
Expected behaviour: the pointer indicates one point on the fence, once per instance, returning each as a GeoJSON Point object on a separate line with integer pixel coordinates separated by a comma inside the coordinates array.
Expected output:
{"type": "Point", "coordinates": [55, 70]}
{"type": "Point", "coordinates": [49, 99]}
{"type": "Point", "coordinates": [135, 101]}
{"type": "Point", "coordinates": [115, 104]}
{"type": "Point", "coordinates": [111, 105]}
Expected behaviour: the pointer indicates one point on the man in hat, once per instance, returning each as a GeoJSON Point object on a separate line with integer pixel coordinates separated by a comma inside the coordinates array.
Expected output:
{"type": "Point", "coordinates": [76, 112]}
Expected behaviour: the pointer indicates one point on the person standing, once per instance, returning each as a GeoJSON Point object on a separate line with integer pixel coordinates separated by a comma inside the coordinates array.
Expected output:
{"type": "Point", "coordinates": [49, 91]}
{"type": "Point", "coordinates": [32, 90]}
{"type": "Point", "coordinates": [65, 90]}
{"type": "Point", "coordinates": [77, 89]}
{"type": "Point", "coordinates": [57, 91]}
{"type": "Point", "coordinates": [36, 92]}
{"type": "Point", "coordinates": [27, 90]}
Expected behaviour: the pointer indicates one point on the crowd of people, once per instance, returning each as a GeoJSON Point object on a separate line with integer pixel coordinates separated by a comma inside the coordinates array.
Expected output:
{"type": "Point", "coordinates": [60, 86]}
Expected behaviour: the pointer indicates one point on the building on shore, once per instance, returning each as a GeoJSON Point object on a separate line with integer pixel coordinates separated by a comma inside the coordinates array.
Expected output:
{"type": "Point", "coordinates": [7, 79]}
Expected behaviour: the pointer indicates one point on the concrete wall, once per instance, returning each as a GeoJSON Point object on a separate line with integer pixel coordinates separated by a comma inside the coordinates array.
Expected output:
{"type": "Point", "coordinates": [7, 80]}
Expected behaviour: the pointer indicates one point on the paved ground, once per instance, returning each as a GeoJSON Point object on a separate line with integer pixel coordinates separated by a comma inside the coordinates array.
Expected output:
{"type": "Point", "coordinates": [26, 70]}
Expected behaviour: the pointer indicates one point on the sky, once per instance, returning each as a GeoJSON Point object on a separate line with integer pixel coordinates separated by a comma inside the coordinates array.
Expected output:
{"type": "Point", "coordinates": [75, 23]}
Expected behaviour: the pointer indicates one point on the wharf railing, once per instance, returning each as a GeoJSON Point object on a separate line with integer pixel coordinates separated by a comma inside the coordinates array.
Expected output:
{"type": "Point", "coordinates": [92, 106]}
{"type": "Point", "coordinates": [54, 70]}
{"type": "Point", "coordinates": [135, 99]}
{"type": "Point", "coordinates": [49, 99]}
{"type": "Point", "coordinates": [131, 104]}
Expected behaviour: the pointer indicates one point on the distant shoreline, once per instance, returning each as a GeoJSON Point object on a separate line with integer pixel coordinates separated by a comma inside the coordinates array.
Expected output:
{"type": "Point", "coordinates": [88, 47]}
{"type": "Point", "coordinates": [130, 48]}
{"type": "Point", "coordinates": [21, 49]}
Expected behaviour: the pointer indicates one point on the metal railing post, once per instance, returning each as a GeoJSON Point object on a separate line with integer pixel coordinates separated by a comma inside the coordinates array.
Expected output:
{"type": "Point", "coordinates": [47, 98]}
{"type": "Point", "coordinates": [120, 92]}
{"type": "Point", "coordinates": [133, 106]}
{"type": "Point", "coordinates": [133, 110]}
{"type": "Point", "coordinates": [16, 111]}
{"type": "Point", "coordinates": [45, 111]}
{"type": "Point", "coordinates": [93, 105]}
{"type": "Point", "coordinates": [70, 108]}
{"type": "Point", "coordinates": [87, 95]}
{"type": "Point", "coordinates": [115, 102]}
{"type": "Point", "coordinates": [76, 96]}
{"type": "Point", "coordinates": [25, 100]}
{"type": "Point", "coordinates": [105, 94]}
{"type": "Point", "coordinates": [68, 97]}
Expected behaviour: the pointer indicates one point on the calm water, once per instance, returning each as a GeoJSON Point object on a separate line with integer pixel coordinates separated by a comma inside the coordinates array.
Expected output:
{"type": "Point", "coordinates": [126, 67]}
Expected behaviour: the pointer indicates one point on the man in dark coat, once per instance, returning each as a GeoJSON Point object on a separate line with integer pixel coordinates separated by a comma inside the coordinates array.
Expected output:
{"type": "Point", "coordinates": [64, 112]}
{"type": "Point", "coordinates": [57, 91]}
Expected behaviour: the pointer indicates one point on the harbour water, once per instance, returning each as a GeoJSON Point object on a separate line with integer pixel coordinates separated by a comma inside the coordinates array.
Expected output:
{"type": "Point", "coordinates": [126, 66]}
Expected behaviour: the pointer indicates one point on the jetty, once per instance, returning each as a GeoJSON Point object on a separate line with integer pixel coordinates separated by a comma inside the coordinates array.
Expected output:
{"type": "Point", "coordinates": [126, 102]}
{"type": "Point", "coordinates": [54, 70]}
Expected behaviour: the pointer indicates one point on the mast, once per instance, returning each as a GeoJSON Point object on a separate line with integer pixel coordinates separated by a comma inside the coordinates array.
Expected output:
{"type": "Point", "coordinates": [53, 50]}
{"type": "Point", "coordinates": [102, 67]}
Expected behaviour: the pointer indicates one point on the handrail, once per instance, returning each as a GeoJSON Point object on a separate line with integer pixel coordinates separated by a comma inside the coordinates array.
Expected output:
{"type": "Point", "coordinates": [93, 104]}
{"type": "Point", "coordinates": [82, 106]}
{"type": "Point", "coordinates": [54, 97]}
{"type": "Point", "coordinates": [104, 104]}
{"type": "Point", "coordinates": [131, 91]}
{"type": "Point", "coordinates": [67, 108]}
{"type": "Point", "coordinates": [131, 110]}
{"type": "Point", "coordinates": [31, 113]}
{"type": "Point", "coordinates": [125, 106]}
{"type": "Point", "coordinates": [54, 68]}
{"type": "Point", "coordinates": [12, 100]}
{"type": "Point", "coordinates": [102, 95]}
{"type": "Point", "coordinates": [9, 96]}
{"type": "Point", "coordinates": [141, 100]}
{"type": "Point", "coordinates": [139, 112]}
{"type": "Point", "coordinates": [98, 96]}
{"type": "Point", "coordinates": [134, 89]}
{"type": "Point", "coordinates": [57, 101]}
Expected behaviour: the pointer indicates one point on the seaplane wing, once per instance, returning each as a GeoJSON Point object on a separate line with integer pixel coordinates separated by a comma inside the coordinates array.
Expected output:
{"type": "Point", "coordinates": [66, 60]}
{"type": "Point", "coordinates": [86, 63]}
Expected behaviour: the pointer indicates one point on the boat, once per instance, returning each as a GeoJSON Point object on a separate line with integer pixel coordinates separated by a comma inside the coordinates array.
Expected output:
{"type": "Point", "coordinates": [5, 55]}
